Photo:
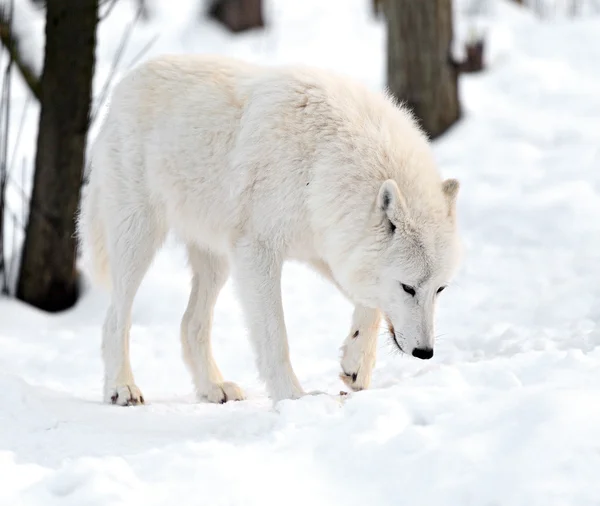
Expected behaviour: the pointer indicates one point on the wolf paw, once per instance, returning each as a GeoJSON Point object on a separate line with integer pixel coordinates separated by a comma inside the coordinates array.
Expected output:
{"type": "Point", "coordinates": [124, 395]}
{"type": "Point", "coordinates": [357, 365]}
{"type": "Point", "coordinates": [220, 393]}
{"type": "Point", "coordinates": [355, 380]}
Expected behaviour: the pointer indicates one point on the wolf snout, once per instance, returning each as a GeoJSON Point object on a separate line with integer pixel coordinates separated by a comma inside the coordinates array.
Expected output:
{"type": "Point", "coordinates": [423, 353]}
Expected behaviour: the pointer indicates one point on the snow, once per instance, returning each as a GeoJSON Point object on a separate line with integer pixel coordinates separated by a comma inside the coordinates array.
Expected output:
{"type": "Point", "coordinates": [508, 411]}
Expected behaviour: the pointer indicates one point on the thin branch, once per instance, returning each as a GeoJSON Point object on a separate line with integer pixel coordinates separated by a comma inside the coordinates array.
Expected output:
{"type": "Point", "coordinates": [14, 257]}
{"type": "Point", "coordinates": [4, 170]}
{"type": "Point", "coordinates": [9, 41]}
{"type": "Point", "coordinates": [111, 4]}
{"type": "Point", "coordinates": [20, 130]}
{"type": "Point", "coordinates": [20, 188]}
{"type": "Point", "coordinates": [118, 55]}
{"type": "Point", "coordinates": [134, 61]}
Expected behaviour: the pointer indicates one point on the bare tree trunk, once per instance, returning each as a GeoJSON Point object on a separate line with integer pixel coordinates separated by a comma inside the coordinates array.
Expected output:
{"type": "Point", "coordinates": [48, 278]}
{"type": "Point", "coordinates": [420, 68]}
{"type": "Point", "coordinates": [238, 15]}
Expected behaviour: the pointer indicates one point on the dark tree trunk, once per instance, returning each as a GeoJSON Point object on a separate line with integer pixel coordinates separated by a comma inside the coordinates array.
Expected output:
{"type": "Point", "coordinates": [47, 278]}
{"type": "Point", "coordinates": [238, 15]}
{"type": "Point", "coordinates": [421, 72]}
{"type": "Point", "coordinates": [474, 60]}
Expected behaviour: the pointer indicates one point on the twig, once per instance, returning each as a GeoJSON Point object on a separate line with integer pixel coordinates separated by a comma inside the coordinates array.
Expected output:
{"type": "Point", "coordinates": [4, 115]}
{"type": "Point", "coordinates": [25, 200]}
{"type": "Point", "coordinates": [20, 189]}
{"type": "Point", "coordinates": [20, 131]}
{"type": "Point", "coordinates": [143, 51]}
{"type": "Point", "coordinates": [14, 255]}
{"type": "Point", "coordinates": [115, 63]}
{"type": "Point", "coordinates": [9, 41]}
{"type": "Point", "coordinates": [111, 4]}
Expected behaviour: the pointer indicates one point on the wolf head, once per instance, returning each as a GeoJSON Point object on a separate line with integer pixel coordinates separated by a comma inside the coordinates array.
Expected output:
{"type": "Point", "coordinates": [406, 259]}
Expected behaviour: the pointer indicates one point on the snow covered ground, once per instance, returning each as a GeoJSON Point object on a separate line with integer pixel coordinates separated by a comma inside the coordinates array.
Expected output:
{"type": "Point", "coordinates": [508, 411]}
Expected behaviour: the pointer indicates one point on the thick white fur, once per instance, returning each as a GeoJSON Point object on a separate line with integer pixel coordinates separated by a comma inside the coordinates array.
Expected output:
{"type": "Point", "coordinates": [252, 166]}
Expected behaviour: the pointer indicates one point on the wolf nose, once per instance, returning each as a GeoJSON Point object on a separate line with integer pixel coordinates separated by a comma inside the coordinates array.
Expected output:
{"type": "Point", "coordinates": [423, 353]}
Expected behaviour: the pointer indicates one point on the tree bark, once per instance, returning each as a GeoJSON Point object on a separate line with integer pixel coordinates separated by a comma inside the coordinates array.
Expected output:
{"type": "Point", "coordinates": [48, 278]}
{"type": "Point", "coordinates": [420, 70]}
{"type": "Point", "coordinates": [238, 15]}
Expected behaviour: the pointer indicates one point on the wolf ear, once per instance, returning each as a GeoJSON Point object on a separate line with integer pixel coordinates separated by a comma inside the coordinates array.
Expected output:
{"type": "Point", "coordinates": [391, 203]}
{"type": "Point", "coordinates": [450, 188]}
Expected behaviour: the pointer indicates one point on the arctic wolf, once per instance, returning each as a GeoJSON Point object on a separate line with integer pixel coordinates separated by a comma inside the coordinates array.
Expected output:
{"type": "Point", "coordinates": [251, 166]}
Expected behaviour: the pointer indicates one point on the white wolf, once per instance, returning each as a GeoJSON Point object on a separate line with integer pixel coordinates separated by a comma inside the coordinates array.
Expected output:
{"type": "Point", "coordinates": [251, 166]}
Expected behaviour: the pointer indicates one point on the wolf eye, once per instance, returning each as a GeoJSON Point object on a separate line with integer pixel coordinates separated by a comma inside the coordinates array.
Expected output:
{"type": "Point", "coordinates": [408, 289]}
{"type": "Point", "coordinates": [441, 288]}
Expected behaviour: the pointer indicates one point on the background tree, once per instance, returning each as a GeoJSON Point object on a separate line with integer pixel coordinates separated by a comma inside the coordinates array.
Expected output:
{"type": "Point", "coordinates": [237, 15]}
{"type": "Point", "coordinates": [48, 278]}
{"type": "Point", "coordinates": [420, 70]}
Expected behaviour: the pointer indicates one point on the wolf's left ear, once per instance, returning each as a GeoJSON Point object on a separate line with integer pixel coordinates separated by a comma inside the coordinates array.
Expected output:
{"type": "Point", "coordinates": [391, 202]}
{"type": "Point", "coordinates": [450, 188]}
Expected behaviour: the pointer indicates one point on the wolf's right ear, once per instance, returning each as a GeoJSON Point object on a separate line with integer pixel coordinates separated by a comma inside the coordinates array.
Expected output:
{"type": "Point", "coordinates": [391, 203]}
{"type": "Point", "coordinates": [450, 188]}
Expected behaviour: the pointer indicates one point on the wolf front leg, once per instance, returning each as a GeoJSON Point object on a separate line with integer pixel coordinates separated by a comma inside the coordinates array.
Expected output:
{"type": "Point", "coordinates": [258, 278]}
{"type": "Point", "coordinates": [360, 348]}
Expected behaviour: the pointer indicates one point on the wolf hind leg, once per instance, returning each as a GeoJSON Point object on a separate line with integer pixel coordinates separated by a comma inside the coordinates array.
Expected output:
{"type": "Point", "coordinates": [210, 272]}
{"type": "Point", "coordinates": [133, 239]}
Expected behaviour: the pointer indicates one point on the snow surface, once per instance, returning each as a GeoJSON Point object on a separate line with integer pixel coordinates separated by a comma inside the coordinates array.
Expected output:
{"type": "Point", "coordinates": [508, 411]}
